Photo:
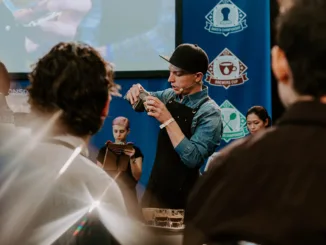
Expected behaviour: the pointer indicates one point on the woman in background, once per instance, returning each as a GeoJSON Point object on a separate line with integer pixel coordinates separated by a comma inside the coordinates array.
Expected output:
{"type": "Point", "coordinates": [127, 180]}
{"type": "Point", "coordinates": [257, 119]}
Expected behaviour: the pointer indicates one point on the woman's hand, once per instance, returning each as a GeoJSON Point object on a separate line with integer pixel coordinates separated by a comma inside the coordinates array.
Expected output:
{"type": "Point", "coordinates": [129, 152]}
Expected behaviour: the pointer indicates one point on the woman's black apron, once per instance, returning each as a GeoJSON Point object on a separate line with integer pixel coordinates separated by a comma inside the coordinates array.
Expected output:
{"type": "Point", "coordinates": [171, 180]}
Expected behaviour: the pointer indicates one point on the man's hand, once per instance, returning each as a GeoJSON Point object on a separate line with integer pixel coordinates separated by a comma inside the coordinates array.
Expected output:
{"type": "Point", "coordinates": [133, 93]}
{"type": "Point", "coordinates": [157, 109]}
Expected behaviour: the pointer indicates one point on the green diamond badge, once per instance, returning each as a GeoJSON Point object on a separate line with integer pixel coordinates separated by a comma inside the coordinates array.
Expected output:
{"type": "Point", "coordinates": [234, 123]}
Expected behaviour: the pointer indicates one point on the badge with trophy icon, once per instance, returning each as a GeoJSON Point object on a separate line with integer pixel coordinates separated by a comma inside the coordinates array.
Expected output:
{"type": "Point", "coordinates": [225, 18]}
{"type": "Point", "coordinates": [227, 70]}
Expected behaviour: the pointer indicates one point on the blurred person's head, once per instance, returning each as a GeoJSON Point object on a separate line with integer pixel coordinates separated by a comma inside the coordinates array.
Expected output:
{"type": "Point", "coordinates": [298, 57]}
{"type": "Point", "coordinates": [284, 5]}
{"type": "Point", "coordinates": [257, 119]}
{"type": "Point", "coordinates": [75, 80]}
{"type": "Point", "coordinates": [120, 129]}
{"type": "Point", "coordinates": [4, 80]}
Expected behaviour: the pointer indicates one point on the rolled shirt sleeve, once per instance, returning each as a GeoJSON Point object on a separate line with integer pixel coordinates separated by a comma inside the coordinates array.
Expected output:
{"type": "Point", "coordinates": [207, 136]}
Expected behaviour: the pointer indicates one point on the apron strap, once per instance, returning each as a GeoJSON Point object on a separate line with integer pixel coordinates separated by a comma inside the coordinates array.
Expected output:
{"type": "Point", "coordinates": [196, 108]}
{"type": "Point", "coordinates": [194, 111]}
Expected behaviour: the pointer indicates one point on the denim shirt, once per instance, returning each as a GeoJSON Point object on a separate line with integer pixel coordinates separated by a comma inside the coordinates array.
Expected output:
{"type": "Point", "coordinates": [207, 127]}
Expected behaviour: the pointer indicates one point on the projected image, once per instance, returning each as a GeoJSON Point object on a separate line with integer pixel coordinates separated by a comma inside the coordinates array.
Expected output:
{"type": "Point", "coordinates": [129, 33]}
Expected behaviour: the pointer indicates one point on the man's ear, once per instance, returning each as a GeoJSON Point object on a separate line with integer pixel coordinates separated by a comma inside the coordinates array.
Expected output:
{"type": "Point", "coordinates": [105, 110]}
{"type": "Point", "coordinates": [199, 77]}
{"type": "Point", "coordinates": [280, 65]}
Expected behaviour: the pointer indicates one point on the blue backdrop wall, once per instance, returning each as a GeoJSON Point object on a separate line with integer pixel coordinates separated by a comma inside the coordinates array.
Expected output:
{"type": "Point", "coordinates": [236, 37]}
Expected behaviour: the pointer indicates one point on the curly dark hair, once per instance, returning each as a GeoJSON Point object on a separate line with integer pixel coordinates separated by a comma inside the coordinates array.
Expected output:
{"type": "Point", "coordinates": [72, 78]}
{"type": "Point", "coordinates": [301, 34]}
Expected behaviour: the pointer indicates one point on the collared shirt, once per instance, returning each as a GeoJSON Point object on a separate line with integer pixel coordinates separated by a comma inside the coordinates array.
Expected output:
{"type": "Point", "coordinates": [207, 127]}
{"type": "Point", "coordinates": [47, 182]}
{"type": "Point", "coordinates": [74, 142]}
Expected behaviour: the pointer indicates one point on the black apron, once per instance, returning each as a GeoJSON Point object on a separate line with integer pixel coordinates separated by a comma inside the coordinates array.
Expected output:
{"type": "Point", "coordinates": [171, 180]}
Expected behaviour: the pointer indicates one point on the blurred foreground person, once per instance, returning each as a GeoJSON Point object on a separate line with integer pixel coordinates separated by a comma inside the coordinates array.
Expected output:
{"type": "Point", "coordinates": [270, 188]}
{"type": "Point", "coordinates": [257, 120]}
{"type": "Point", "coordinates": [6, 114]}
{"type": "Point", "coordinates": [284, 5]}
{"type": "Point", "coordinates": [50, 193]}
{"type": "Point", "coordinates": [14, 108]}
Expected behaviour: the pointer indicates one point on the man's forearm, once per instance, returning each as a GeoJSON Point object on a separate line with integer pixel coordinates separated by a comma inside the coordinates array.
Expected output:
{"type": "Point", "coordinates": [175, 133]}
{"type": "Point", "coordinates": [188, 153]}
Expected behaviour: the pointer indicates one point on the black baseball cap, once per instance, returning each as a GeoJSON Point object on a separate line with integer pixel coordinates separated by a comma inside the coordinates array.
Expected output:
{"type": "Point", "coordinates": [189, 57]}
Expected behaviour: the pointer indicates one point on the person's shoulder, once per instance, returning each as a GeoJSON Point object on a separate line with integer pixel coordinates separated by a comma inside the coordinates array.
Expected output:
{"type": "Point", "coordinates": [138, 151]}
{"type": "Point", "coordinates": [250, 140]}
{"type": "Point", "coordinates": [210, 108]}
{"type": "Point", "coordinates": [88, 171]}
{"type": "Point", "coordinates": [106, 145]}
{"type": "Point", "coordinates": [239, 148]}
{"type": "Point", "coordinates": [133, 145]}
{"type": "Point", "coordinates": [95, 179]}
{"type": "Point", "coordinates": [212, 104]}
